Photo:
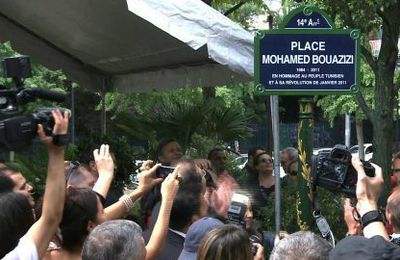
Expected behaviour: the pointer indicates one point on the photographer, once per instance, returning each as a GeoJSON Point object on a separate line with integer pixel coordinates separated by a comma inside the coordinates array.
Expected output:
{"type": "Point", "coordinates": [168, 152]}
{"type": "Point", "coordinates": [374, 244]}
{"type": "Point", "coordinates": [17, 217]}
{"type": "Point", "coordinates": [83, 211]}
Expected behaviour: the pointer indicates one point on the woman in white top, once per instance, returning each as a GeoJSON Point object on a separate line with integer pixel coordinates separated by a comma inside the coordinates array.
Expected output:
{"type": "Point", "coordinates": [15, 208]}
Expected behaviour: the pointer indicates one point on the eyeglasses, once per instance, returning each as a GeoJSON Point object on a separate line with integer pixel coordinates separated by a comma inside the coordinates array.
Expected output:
{"type": "Point", "coordinates": [396, 170]}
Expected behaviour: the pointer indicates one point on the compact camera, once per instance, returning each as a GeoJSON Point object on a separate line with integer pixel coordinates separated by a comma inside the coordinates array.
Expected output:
{"type": "Point", "coordinates": [333, 170]}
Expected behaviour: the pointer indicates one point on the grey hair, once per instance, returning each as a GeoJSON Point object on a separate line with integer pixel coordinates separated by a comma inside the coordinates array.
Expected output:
{"type": "Point", "coordinates": [302, 245]}
{"type": "Point", "coordinates": [115, 240]}
{"type": "Point", "coordinates": [292, 153]}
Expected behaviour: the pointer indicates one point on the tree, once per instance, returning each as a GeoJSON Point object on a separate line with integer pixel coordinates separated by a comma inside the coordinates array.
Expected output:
{"type": "Point", "coordinates": [368, 16]}
{"type": "Point", "coordinates": [41, 77]}
{"type": "Point", "coordinates": [184, 115]}
{"type": "Point", "coordinates": [334, 106]}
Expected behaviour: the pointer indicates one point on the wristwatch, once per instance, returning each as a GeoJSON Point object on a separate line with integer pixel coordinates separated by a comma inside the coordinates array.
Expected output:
{"type": "Point", "coordinates": [371, 216]}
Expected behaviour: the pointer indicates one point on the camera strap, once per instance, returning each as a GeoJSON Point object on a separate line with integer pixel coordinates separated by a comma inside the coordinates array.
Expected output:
{"type": "Point", "coordinates": [320, 220]}
{"type": "Point", "coordinates": [61, 139]}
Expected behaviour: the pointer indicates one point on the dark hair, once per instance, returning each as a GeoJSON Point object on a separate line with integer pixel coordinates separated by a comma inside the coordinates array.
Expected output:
{"type": "Point", "coordinates": [396, 156]}
{"type": "Point", "coordinates": [185, 206]}
{"type": "Point", "coordinates": [252, 151]}
{"type": "Point", "coordinates": [80, 208]}
{"type": "Point", "coordinates": [76, 174]}
{"type": "Point", "coordinates": [11, 168]}
{"type": "Point", "coordinates": [191, 183]}
{"type": "Point", "coordinates": [115, 240]}
{"type": "Point", "coordinates": [228, 242]}
{"type": "Point", "coordinates": [211, 153]}
{"type": "Point", "coordinates": [257, 158]}
{"type": "Point", "coordinates": [16, 217]}
{"type": "Point", "coordinates": [6, 183]}
{"type": "Point", "coordinates": [162, 144]}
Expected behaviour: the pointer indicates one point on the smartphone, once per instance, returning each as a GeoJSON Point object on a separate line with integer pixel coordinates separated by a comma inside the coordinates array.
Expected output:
{"type": "Point", "coordinates": [163, 171]}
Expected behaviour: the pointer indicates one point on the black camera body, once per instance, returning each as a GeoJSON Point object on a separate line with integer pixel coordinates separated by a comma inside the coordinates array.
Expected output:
{"type": "Point", "coordinates": [17, 130]}
{"type": "Point", "coordinates": [333, 170]}
{"type": "Point", "coordinates": [236, 212]}
{"type": "Point", "coordinates": [237, 209]}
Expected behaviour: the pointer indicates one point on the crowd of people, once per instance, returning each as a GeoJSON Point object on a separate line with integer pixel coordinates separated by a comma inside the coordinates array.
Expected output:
{"type": "Point", "coordinates": [187, 209]}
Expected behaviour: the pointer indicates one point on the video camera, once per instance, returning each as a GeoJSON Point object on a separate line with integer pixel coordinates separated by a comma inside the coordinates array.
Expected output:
{"type": "Point", "coordinates": [333, 170]}
{"type": "Point", "coordinates": [16, 129]}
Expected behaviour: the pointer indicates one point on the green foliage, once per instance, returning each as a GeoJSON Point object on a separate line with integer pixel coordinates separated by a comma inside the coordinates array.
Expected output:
{"type": "Point", "coordinates": [87, 117]}
{"type": "Point", "coordinates": [361, 14]}
{"type": "Point", "coordinates": [244, 13]}
{"type": "Point", "coordinates": [33, 165]}
{"type": "Point", "coordinates": [123, 151]}
{"type": "Point", "coordinates": [337, 105]}
{"type": "Point", "coordinates": [184, 115]}
{"type": "Point", "coordinates": [331, 208]}
{"type": "Point", "coordinates": [201, 145]}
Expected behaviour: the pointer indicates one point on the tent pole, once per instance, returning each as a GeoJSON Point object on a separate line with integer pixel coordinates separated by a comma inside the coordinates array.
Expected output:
{"type": "Point", "coordinates": [103, 110]}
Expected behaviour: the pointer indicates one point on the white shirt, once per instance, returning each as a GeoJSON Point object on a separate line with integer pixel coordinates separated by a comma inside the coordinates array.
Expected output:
{"type": "Point", "coordinates": [178, 232]}
{"type": "Point", "coordinates": [25, 250]}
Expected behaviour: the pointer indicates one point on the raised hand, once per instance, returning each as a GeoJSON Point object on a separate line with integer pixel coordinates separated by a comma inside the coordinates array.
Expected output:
{"type": "Point", "coordinates": [368, 189]}
{"type": "Point", "coordinates": [60, 128]}
{"type": "Point", "coordinates": [170, 186]}
{"type": "Point", "coordinates": [146, 180]}
{"type": "Point", "coordinates": [104, 161]}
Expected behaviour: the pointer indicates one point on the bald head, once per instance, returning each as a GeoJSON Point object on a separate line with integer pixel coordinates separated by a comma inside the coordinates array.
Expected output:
{"type": "Point", "coordinates": [393, 209]}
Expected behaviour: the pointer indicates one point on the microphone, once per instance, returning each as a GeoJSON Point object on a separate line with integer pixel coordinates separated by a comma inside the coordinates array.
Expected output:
{"type": "Point", "coordinates": [27, 95]}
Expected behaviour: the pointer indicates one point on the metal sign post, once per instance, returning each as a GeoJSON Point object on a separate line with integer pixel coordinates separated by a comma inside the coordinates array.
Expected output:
{"type": "Point", "coordinates": [275, 133]}
{"type": "Point", "coordinates": [306, 56]}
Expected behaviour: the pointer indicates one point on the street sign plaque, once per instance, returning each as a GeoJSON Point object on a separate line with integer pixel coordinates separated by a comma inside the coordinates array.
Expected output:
{"type": "Point", "coordinates": [307, 57]}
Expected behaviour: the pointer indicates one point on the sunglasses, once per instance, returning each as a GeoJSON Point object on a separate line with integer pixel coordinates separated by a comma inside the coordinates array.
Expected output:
{"type": "Point", "coordinates": [209, 181]}
{"type": "Point", "coordinates": [267, 160]}
{"type": "Point", "coordinates": [356, 215]}
{"type": "Point", "coordinates": [71, 168]}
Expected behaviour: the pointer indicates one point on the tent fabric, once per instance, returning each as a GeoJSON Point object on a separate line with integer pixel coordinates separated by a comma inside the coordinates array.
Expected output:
{"type": "Point", "coordinates": [103, 44]}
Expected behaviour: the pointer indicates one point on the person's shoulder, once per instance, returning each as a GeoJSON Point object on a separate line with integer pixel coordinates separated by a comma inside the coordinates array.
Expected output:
{"type": "Point", "coordinates": [53, 254]}
{"type": "Point", "coordinates": [26, 249]}
{"type": "Point", "coordinates": [61, 254]}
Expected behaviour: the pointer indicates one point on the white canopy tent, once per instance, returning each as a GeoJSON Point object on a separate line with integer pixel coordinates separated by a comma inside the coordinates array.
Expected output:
{"type": "Point", "coordinates": [133, 45]}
